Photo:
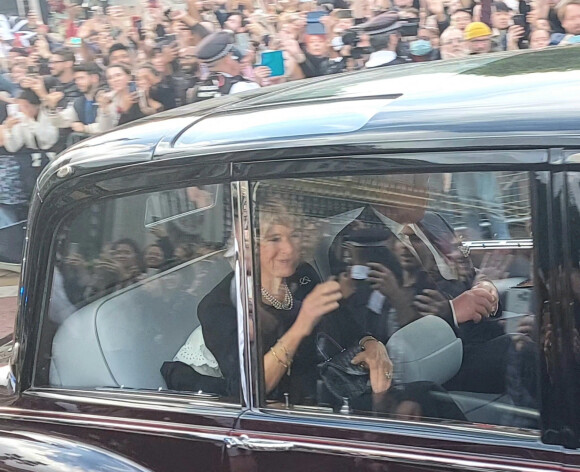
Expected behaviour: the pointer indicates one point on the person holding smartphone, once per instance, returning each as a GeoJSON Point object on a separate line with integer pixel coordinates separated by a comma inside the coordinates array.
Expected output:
{"type": "Point", "coordinates": [29, 124]}
{"type": "Point", "coordinates": [224, 61]}
{"type": "Point", "coordinates": [147, 79]}
{"type": "Point", "coordinates": [124, 99]}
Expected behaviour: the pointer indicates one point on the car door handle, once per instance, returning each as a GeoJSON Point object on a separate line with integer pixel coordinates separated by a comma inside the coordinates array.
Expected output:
{"type": "Point", "coordinates": [256, 444]}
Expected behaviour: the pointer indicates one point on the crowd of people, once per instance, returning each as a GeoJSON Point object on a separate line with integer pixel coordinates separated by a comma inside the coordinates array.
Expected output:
{"type": "Point", "coordinates": [80, 68]}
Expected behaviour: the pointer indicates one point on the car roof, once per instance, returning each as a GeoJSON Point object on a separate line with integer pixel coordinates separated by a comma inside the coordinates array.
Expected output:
{"type": "Point", "coordinates": [504, 99]}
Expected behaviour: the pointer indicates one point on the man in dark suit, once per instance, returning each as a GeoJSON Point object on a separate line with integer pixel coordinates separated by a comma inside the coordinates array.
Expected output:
{"type": "Point", "coordinates": [419, 271]}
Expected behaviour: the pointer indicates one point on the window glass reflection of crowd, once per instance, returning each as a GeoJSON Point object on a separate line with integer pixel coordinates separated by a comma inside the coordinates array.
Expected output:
{"type": "Point", "coordinates": [498, 353]}
{"type": "Point", "coordinates": [309, 237]}
{"type": "Point", "coordinates": [93, 266]}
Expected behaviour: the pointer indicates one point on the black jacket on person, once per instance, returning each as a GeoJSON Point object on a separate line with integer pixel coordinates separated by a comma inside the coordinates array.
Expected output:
{"type": "Point", "coordinates": [164, 93]}
{"type": "Point", "coordinates": [316, 66]}
{"type": "Point", "coordinates": [69, 89]}
{"type": "Point", "coordinates": [218, 317]}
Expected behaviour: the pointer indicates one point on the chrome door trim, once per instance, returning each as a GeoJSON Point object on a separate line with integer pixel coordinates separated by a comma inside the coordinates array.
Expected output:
{"type": "Point", "coordinates": [244, 261]}
{"type": "Point", "coordinates": [144, 400]}
{"type": "Point", "coordinates": [178, 430]}
{"type": "Point", "coordinates": [336, 420]}
{"type": "Point", "coordinates": [401, 454]}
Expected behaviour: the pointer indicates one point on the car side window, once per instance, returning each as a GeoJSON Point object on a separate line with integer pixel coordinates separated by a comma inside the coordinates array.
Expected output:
{"type": "Point", "coordinates": [409, 296]}
{"type": "Point", "coordinates": [134, 278]}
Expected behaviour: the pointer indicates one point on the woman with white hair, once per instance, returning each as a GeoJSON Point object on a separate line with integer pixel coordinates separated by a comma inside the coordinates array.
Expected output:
{"type": "Point", "coordinates": [452, 44]}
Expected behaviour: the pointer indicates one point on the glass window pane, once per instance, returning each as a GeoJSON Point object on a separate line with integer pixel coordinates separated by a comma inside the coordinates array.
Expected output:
{"type": "Point", "coordinates": [131, 283]}
{"type": "Point", "coordinates": [376, 295]}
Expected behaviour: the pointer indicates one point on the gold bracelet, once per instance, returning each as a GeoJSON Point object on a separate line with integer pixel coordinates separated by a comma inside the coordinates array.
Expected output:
{"type": "Point", "coordinates": [288, 356]}
{"type": "Point", "coordinates": [286, 366]}
{"type": "Point", "coordinates": [277, 358]}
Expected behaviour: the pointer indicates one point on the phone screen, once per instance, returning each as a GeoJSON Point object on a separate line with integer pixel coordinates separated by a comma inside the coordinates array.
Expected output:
{"type": "Point", "coordinates": [275, 61]}
{"type": "Point", "coordinates": [12, 109]}
{"type": "Point", "coordinates": [132, 87]}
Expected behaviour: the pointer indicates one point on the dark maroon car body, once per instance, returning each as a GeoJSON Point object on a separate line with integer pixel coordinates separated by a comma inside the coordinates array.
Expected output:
{"type": "Point", "coordinates": [435, 123]}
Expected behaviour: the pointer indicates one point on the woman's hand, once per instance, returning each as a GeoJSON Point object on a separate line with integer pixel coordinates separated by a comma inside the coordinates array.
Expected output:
{"type": "Point", "coordinates": [376, 359]}
{"type": "Point", "coordinates": [321, 301]}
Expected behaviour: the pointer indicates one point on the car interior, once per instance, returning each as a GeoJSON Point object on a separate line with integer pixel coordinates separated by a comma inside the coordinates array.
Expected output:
{"type": "Point", "coordinates": [121, 337]}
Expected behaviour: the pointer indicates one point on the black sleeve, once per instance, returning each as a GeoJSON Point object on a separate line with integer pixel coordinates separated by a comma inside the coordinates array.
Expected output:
{"type": "Point", "coordinates": [311, 66]}
{"type": "Point", "coordinates": [219, 325]}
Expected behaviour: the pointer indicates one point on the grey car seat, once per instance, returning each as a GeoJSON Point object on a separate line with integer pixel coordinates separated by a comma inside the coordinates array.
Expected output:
{"type": "Point", "coordinates": [120, 341]}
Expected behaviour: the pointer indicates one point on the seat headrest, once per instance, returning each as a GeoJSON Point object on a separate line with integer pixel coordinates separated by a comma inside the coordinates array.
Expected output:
{"type": "Point", "coordinates": [425, 350]}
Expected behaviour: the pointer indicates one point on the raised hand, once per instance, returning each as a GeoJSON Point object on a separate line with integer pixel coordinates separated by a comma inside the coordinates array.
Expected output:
{"type": "Point", "coordinates": [321, 301]}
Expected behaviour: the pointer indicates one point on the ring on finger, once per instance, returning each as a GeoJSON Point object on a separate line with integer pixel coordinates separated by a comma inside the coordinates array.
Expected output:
{"type": "Point", "coordinates": [389, 375]}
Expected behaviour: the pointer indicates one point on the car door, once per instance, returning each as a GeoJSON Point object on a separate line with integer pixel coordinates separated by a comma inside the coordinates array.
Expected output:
{"type": "Point", "coordinates": [114, 289]}
{"type": "Point", "coordinates": [486, 208]}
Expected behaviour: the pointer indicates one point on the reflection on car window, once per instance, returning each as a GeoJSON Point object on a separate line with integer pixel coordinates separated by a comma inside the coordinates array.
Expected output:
{"type": "Point", "coordinates": [129, 278]}
{"type": "Point", "coordinates": [377, 297]}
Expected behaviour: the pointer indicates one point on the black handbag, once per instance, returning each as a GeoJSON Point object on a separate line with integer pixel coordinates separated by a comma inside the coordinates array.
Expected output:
{"type": "Point", "coordinates": [341, 378]}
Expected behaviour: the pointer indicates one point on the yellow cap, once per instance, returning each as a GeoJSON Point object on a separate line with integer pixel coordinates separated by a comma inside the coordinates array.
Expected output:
{"type": "Point", "coordinates": [477, 29]}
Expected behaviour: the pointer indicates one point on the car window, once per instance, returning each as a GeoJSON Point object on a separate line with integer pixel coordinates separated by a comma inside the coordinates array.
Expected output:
{"type": "Point", "coordinates": [134, 279]}
{"type": "Point", "coordinates": [405, 296]}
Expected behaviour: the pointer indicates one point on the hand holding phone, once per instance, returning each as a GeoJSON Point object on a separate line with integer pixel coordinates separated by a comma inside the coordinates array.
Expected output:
{"type": "Point", "coordinates": [12, 109]}
{"type": "Point", "coordinates": [274, 60]}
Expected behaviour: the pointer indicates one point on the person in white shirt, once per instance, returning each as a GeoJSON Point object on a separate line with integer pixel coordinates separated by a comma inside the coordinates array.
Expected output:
{"type": "Point", "coordinates": [29, 125]}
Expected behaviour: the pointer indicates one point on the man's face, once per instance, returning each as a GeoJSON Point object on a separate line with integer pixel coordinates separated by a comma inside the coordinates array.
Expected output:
{"type": "Point", "coordinates": [57, 65]}
{"type": "Point", "coordinates": [316, 45]}
{"type": "Point", "coordinates": [234, 23]}
{"type": "Point", "coordinates": [159, 62]}
{"type": "Point", "coordinates": [480, 45]}
{"type": "Point", "coordinates": [120, 57]}
{"type": "Point", "coordinates": [82, 81]}
{"type": "Point", "coordinates": [453, 46]}
{"type": "Point", "coordinates": [539, 39]}
{"type": "Point", "coordinates": [571, 21]}
{"type": "Point", "coordinates": [501, 20]}
{"type": "Point", "coordinates": [461, 19]}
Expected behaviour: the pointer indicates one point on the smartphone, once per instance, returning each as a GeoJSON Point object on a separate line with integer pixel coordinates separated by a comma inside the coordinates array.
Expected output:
{"type": "Point", "coordinates": [313, 24]}
{"type": "Point", "coordinates": [275, 61]}
{"type": "Point", "coordinates": [76, 42]}
{"type": "Point", "coordinates": [74, 248]}
{"type": "Point", "coordinates": [32, 70]}
{"type": "Point", "coordinates": [171, 38]}
{"type": "Point", "coordinates": [12, 109]}
{"type": "Point", "coordinates": [132, 87]}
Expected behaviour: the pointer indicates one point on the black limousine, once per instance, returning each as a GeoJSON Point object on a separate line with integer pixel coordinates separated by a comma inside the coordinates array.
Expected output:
{"type": "Point", "coordinates": [374, 271]}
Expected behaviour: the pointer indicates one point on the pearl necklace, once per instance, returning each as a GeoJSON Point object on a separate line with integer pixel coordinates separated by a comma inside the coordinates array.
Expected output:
{"type": "Point", "coordinates": [287, 304]}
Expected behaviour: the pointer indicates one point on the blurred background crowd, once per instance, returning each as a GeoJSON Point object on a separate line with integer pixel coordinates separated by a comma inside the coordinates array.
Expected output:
{"type": "Point", "coordinates": [72, 68]}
